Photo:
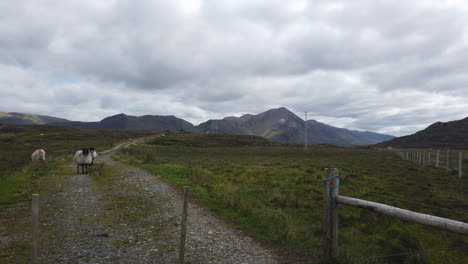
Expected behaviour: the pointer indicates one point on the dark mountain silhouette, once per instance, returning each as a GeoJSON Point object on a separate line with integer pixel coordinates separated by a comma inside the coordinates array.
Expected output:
{"type": "Point", "coordinates": [122, 121]}
{"type": "Point", "coordinates": [278, 124]}
{"type": "Point", "coordinates": [453, 134]}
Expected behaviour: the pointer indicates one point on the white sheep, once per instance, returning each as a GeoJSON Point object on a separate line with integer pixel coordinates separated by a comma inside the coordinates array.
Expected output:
{"type": "Point", "coordinates": [83, 158]}
{"type": "Point", "coordinates": [93, 155]}
{"type": "Point", "coordinates": [38, 155]}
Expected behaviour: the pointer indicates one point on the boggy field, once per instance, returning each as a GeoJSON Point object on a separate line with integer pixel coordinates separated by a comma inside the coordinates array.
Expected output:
{"type": "Point", "coordinates": [274, 192]}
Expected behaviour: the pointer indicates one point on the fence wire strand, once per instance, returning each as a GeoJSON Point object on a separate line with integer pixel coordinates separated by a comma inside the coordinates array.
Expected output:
{"type": "Point", "coordinates": [420, 252]}
{"type": "Point", "coordinates": [251, 191]}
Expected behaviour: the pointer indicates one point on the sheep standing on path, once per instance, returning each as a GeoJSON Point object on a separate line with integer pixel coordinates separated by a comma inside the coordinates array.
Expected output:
{"type": "Point", "coordinates": [83, 158]}
{"type": "Point", "coordinates": [93, 155]}
{"type": "Point", "coordinates": [38, 155]}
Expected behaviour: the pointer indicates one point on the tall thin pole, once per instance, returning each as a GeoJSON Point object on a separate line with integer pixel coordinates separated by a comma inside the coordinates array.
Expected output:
{"type": "Point", "coordinates": [305, 135]}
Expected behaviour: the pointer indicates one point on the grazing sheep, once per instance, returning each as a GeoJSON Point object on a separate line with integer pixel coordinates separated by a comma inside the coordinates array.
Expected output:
{"type": "Point", "coordinates": [38, 155]}
{"type": "Point", "coordinates": [82, 159]}
{"type": "Point", "coordinates": [93, 154]}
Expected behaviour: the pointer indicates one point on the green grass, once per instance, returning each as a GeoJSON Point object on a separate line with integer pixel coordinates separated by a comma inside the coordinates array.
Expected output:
{"type": "Point", "coordinates": [259, 187]}
{"type": "Point", "coordinates": [17, 143]}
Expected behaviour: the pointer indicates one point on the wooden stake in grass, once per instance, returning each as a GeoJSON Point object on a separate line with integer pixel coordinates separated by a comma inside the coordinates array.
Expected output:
{"type": "Point", "coordinates": [183, 227]}
{"type": "Point", "coordinates": [437, 158]}
{"type": "Point", "coordinates": [448, 160]}
{"type": "Point", "coordinates": [35, 228]}
{"type": "Point", "coordinates": [460, 158]}
{"type": "Point", "coordinates": [330, 217]}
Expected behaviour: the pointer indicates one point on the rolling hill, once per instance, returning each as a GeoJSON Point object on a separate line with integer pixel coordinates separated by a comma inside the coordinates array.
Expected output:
{"type": "Point", "coordinates": [28, 119]}
{"type": "Point", "coordinates": [453, 135]}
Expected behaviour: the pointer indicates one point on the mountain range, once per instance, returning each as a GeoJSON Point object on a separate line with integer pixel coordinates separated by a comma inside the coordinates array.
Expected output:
{"type": "Point", "coordinates": [279, 124]}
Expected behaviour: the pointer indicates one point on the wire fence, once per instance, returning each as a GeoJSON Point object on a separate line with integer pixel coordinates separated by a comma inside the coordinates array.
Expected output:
{"type": "Point", "coordinates": [439, 158]}
{"type": "Point", "coordinates": [296, 212]}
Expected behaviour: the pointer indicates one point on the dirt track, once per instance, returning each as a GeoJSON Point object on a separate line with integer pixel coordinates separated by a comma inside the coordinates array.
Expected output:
{"type": "Point", "coordinates": [131, 216]}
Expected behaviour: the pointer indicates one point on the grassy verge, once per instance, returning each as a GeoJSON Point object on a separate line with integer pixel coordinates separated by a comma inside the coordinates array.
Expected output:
{"type": "Point", "coordinates": [274, 192]}
{"type": "Point", "coordinates": [17, 143]}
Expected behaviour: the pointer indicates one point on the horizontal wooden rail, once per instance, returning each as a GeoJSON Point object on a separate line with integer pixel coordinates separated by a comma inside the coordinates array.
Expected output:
{"type": "Point", "coordinates": [439, 222]}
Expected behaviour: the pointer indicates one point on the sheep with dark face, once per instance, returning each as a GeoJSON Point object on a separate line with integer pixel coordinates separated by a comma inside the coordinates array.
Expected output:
{"type": "Point", "coordinates": [83, 158]}
{"type": "Point", "coordinates": [38, 155]}
{"type": "Point", "coordinates": [93, 154]}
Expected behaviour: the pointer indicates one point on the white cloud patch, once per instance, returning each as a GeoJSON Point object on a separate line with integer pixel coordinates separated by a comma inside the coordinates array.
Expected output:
{"type": "Point", "coordinates": [386, 66]}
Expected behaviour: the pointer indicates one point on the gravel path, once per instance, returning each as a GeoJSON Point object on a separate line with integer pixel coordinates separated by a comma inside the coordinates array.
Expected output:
{"type": "Point", "coordinates": [72, 222]}
{"type": "Point", "coordinates": [122, 214]}
{"type": "Point", "coordinates": [208, 239]}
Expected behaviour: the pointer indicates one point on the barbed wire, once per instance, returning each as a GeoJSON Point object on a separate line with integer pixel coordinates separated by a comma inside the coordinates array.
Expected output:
{"type": "Point", "coordinates": [250, 191]}
{"type": "Point", "coordinates": [15, 219]}
{"type": "Point", "coordinates": [417, 203]}
{"type": "Point", "coordinates": [420, 252]}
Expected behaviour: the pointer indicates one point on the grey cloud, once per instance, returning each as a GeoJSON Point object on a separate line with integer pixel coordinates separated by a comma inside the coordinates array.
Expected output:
{"type": "Point", "coordinates": [361, 63]}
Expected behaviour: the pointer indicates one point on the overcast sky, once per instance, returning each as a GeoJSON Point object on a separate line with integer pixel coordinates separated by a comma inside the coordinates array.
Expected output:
{"type": "Point", "coordinates": [387, 66]}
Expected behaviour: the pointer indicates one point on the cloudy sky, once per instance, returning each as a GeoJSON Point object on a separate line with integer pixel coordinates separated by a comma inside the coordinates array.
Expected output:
{"type": "Point", "coordinates": [386, 66]}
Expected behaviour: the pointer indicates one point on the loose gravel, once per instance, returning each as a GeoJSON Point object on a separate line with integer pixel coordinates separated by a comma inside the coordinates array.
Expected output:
{"type": "Point", "coordinates": [132, 216]}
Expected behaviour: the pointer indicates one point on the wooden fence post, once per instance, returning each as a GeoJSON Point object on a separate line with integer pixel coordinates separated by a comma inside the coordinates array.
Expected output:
{"type": "Point", "coordinates": [330, 218]}
{"type": "Point", "coordinates": [183, 231]}
{"type": "Point", "coordinates": [35, 228]}
{"type": "Point", "coordinates": [437, 158]}
{"type": "Point", "coordinates": [429, 158]}
{"type": "Point", "coordinates": [424, 159]}
{"type": "Point", "coordinates": [460, 158]}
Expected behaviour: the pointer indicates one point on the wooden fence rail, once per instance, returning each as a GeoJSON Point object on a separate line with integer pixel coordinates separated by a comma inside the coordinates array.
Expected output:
{"type": "Point", "coordinates": [330, 217]}
{"type": "Point", "coordinates": [424, 219]}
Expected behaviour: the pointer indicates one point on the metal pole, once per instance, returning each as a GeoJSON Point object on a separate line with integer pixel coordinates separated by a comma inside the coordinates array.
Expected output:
{"type": "Point", "coordinates": [305, 135]}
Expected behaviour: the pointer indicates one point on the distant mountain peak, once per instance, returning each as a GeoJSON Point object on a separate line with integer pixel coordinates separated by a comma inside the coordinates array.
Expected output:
{"type": "Point", "coordinates": [278, 124]}
{"type": "Point", "coordinates": [280, 110]}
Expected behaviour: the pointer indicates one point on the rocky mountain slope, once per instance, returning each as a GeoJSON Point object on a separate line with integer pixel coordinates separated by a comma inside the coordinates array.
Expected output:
{"type": "Point", "coordinates": [284, 126]}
